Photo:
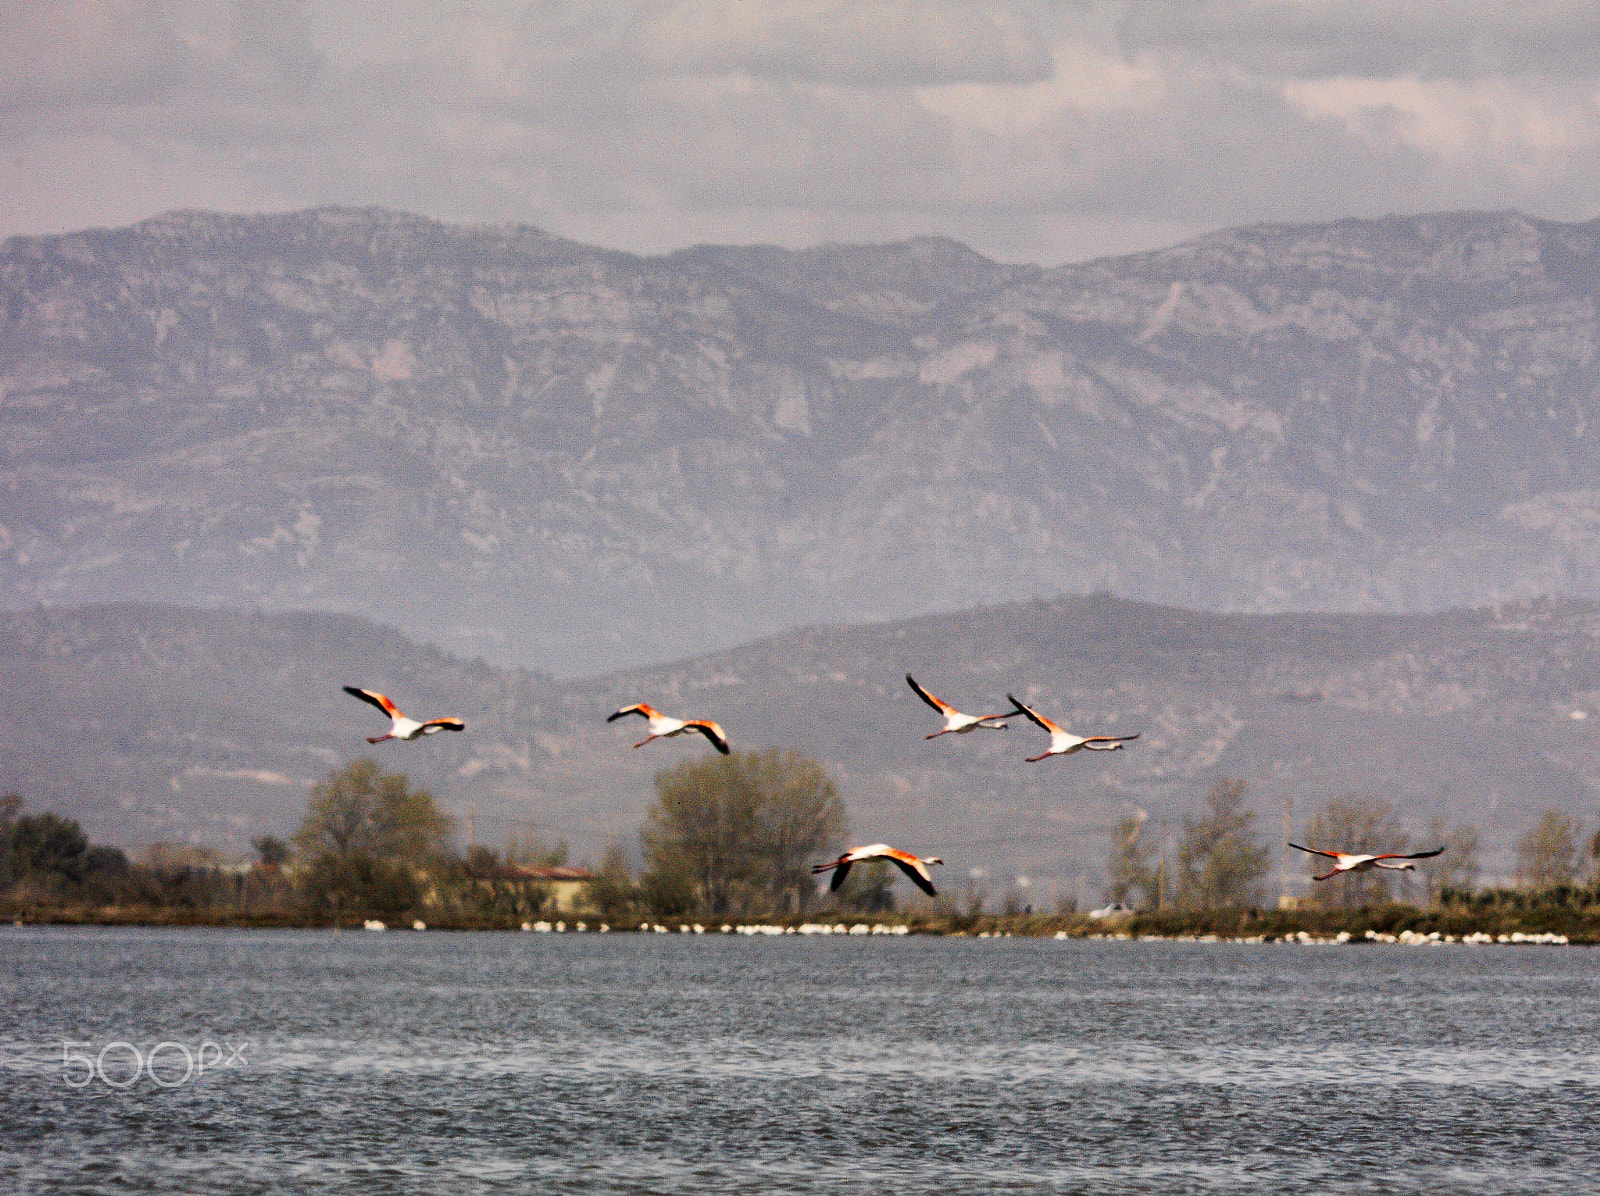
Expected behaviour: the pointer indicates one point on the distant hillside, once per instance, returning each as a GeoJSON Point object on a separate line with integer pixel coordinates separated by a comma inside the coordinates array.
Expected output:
{"type": "Point", "coordinates": [160, 722]}
{"type": "Point", "coordinates": [575, 459]}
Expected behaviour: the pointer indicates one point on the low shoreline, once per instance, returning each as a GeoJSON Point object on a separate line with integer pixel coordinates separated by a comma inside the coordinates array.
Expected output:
{"type": "Point", "coordinates": [1576, 926]}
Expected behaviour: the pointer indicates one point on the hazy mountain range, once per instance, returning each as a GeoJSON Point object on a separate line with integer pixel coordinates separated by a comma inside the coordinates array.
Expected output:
{"type": "Point", "coordinates": [577, 460]}
{"type": "Point", "coordinates": [152, 722]}
{"type": "Point", "coordinates": [520, 451]}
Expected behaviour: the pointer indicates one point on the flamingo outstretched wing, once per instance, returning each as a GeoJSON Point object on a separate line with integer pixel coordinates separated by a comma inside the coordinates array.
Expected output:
{"type": "Point", "coordinates": [1107, 743]}
{"type": "Point", "coordinates": [840, 869]}
{"type": "Point", "coordinates": [915, 869]}
{"type": "Point", "coordinates": [1034, 716]}
{"type": "Point", "coordinates": [941, 707]}
{"type": "Point", "coordinates": [1332, 855]}
{"type": "Point", "coordinates": [373, 697]}
{"type": "Point", "coordinates": [711, 731]}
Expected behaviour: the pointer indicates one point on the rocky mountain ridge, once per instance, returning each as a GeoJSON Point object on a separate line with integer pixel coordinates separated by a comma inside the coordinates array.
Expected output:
{"type": "Point", "coordinates": [574, 459]}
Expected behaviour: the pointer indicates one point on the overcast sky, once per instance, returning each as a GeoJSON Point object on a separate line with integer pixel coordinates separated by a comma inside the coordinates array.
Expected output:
{"type": "Point", "coordinates": [1042, 132]}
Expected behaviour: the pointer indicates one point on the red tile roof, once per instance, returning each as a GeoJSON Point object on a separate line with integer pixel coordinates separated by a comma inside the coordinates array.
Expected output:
{"type": "Point", "coordinates": [558, 872]}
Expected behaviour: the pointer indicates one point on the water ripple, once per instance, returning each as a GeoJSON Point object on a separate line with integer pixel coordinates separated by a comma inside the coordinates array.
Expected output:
{"type": "Point", "coordinates": [507, 1063]}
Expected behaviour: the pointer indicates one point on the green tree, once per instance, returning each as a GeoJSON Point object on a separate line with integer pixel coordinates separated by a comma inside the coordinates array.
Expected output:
{"type": "Point", "coordinates": [47, 848]}
{"type": "Point", "coordinates": [108, 862]}
{"type": "Point", "coordinates": [181, 857]}
{"type": "Point", "coordinates": [1221, 862]}
{"type": "Point", "coordinates": [1360, 826]}
{"type": "Point", "coordinates": [974, 894]}
{"type": "Point", "coordinates": [1457, 869]}
{"type": "Point", "coordinates": [481, 861]}
{"type": "Point", "coordinates": [10, 806]}
{"type": "Point", "coordinates": [739, 831]}
{"type": "Point", "coordinates": [106, 875]}
{"type": "Point", "coordinates": [1128, 867]}
{"type": "Point", "coordinates": [611, 892]}
{"type": "Point", "coordinates": [669, 888]}
{"type": "Point", "coordinates": [272, 851]}
{"type": "Point", "coordinates": [700, 831]}
{"type": "Point", "coordinates": [366, 838]}
{"type": "Point", "coordinates": [799, 816]}
{"type": "Point", "coordinates": [359, 809]}
{"type": "Point", "coordinates": [533, 850]}
{"type": "Point", "coordinates": [1547, 854]}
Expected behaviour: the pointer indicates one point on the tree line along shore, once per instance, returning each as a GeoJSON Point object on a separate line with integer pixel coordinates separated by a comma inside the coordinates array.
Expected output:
{"type": "Point", "coordinates": [731, 840]}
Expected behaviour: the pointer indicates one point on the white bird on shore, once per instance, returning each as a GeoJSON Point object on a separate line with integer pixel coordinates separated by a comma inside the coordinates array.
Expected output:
{"type": "Point", "coordinates": [956, 723]}
{"type": "Point", "coordinates": [914, 866]}
{"type": "Point", "coordinates": [1063, 742]}
{"type": "Point", "coordinates": [1346, 862]}
{"type": "Point", "coordinates": [401, 727]}
{"type": "Point", "coordinates": [662, 727]}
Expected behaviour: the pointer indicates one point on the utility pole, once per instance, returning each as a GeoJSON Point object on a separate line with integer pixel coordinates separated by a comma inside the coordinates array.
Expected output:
{"type": "Point", "coordinates": [472, 826]}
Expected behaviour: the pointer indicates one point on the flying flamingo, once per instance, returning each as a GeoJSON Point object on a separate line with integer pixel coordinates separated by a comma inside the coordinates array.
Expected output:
{"type": "Point", "coordinates": [914, 866]}
{"type": "Point", "coordinates": [402, 727]}
{"type": "Point", "coordinates": [1064, 743]}
{"type": "Point", "coordinates": [1345, 862]}
{"type": "Point", "coordinates": [662, 727]}
{"type": "Point", "coordinates": [954, 721]}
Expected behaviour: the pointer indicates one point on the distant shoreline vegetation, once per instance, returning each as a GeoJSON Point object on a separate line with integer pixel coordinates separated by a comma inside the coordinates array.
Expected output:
{"type": "Point", "coordinates": [1577, 925]}
{"type": "Point", "coordinates": [728, 843]}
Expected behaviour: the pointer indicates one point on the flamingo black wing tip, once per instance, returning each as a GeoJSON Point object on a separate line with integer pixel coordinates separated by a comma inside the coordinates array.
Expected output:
{"type": "Point", "coordinates": [714, 735]}
{"type": "Point", "coordinates": [921, 881]}
{"type": "Point", "coordinates": [1028, 714]}
{"type": "Point", "coordinates": [924, 694]}
{"type": "Point", "coordinates": [366, 695]}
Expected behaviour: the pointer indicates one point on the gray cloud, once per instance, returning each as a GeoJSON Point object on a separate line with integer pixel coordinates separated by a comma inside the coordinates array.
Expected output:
{"type": "Point", "coordinates": [860, 43]}
{"type": "Point", "coordinates": [1030, 130]}
{"type": "Point", "coordinates": [59, 55]}
{"type": "Point", "coordinates": [1459, 39]}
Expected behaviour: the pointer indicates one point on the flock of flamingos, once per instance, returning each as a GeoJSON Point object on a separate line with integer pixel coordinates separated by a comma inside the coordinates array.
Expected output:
{"type": "Point", "coordinates": [1062, 743]}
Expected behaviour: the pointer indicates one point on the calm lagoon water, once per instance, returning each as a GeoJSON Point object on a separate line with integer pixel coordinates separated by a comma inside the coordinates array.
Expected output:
{"type": "Point", "coordinates": [433, 1062]}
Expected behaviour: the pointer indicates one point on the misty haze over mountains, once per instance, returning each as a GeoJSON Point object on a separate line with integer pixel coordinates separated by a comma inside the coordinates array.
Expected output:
{"type": "Point", "coordinates": [579, 460]}
{"type": "Point", "coordinates": [165, 723]}
{"type": "Point", "coordinates": [553, 457]}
